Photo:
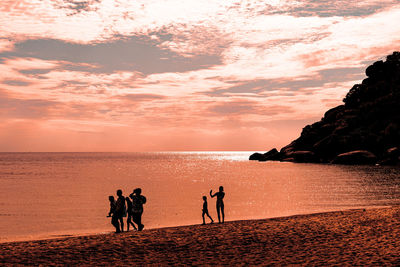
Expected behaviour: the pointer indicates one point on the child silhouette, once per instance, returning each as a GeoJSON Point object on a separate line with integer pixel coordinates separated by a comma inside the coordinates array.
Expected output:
{"type": "Point", "coordinates": [111, 213]}
{"type": "Point", "coordinates": [205, 210]}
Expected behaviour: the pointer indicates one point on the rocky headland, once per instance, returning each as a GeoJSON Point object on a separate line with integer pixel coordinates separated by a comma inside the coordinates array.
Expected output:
{"type": "Point", "coordinates": [364, 130]}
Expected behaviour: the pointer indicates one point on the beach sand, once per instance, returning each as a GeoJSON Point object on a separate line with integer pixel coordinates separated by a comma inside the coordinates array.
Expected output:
{"type": "Point", "coordinates": [356, 237]}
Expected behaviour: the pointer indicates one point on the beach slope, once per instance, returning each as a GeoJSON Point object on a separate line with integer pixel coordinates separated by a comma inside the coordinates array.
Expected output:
{"type": "Point", "coordinates": [360, 237]}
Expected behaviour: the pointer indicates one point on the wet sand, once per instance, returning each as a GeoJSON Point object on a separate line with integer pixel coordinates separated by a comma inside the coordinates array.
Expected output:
{"type": "Point", "coordinates": [356, 237]}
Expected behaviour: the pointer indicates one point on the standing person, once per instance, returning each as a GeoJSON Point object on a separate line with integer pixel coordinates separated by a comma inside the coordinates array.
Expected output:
{"type": "Point", "coordinates": [205, 210]}
{"type": "Point", "coordinates": [129, 210]}
{"type": "Point", "coordinates": [137, 207]}
{"type": "Point", "coordinates": [120, 209]}
{"type": "Point", "coordinates": [114, 220]}
{"type": "Point", "coordinates": [220, 202]}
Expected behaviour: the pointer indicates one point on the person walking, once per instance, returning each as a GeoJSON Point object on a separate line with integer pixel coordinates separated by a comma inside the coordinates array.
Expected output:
{"type": "Point", "coordinates": [137, 207]}
{"type": "Point", "coordinates": [205, 210]}
{"type": "Point", "coordinates": [120, 209]}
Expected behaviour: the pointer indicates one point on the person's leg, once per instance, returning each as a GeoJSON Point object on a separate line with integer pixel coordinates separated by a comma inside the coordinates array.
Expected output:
{"type": "Point", "coordinates": [137, 218]}
{"type": "Point", "coordinates": [121, 220]}
{"type": "Point", "coordinates": [140, 225]}
{"type": "Point", "coordinates": [218, 212]}
{"type": "Point", "coordinates": [134, 218]}
{"type": "Point", "coordinates": [128, 220]}
{"type": "Point", "coordinates": [209, 217]}
{"type": "Point", "coordinates": [202, 215]}
{"type": "Point", "coordinates": [134, 226]}
{"type": "Point", "coordinates": [114, 221]}
{"type": "Point", "coordinates": [223, 212]}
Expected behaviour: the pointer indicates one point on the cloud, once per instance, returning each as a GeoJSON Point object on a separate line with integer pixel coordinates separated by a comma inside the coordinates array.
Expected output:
{"type": "Point", "coordinates": [16, 82]}
{"type": "Point", "coordinates": [18, 63]}
{"type": "Point", "coordinates": [343, 8]}
{"type": "Point", "coordinates": [25, 108]}
{"type": "Point", "coordinates": [245, 107]}
{"type": "Point", "coordinates": [259, 87]}
{"type": "Point", "coordinates": [140, 97]}
{"type": "Point", "coordinates": [77, 6]}
{"type": "Point", "coordinates": [6, 45]}
{"type": "Point", "coordinates": [129, 54]}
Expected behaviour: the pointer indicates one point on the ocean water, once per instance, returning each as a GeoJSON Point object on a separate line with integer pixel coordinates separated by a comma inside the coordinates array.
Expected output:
{"type": "Point", "coordinates": [45, 195]}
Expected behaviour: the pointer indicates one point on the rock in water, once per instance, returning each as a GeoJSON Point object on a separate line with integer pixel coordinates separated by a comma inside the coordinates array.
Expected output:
{"type": "Point", "coordinates": [392, 157]}
{"type": "Point", "coordinates": [256, 156]}
{"type": "Point", "coordinates": [273, 154]}
{"type": "Point", "coordinates": [301, 156]}
{"type": "Point", "coordinates": [355, 157]}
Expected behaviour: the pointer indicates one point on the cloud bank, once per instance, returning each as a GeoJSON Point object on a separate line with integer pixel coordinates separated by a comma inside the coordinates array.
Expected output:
{"type": "Point", "coordinates": [106, 75]}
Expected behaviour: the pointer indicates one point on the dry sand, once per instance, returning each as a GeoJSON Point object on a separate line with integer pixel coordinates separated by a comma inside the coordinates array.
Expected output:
{"type": "Point", "coordinates": [354, 237]}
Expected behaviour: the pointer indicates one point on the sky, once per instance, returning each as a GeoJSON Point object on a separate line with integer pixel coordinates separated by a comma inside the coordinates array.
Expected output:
{"type": "Point", "coordinates": [173, 75]}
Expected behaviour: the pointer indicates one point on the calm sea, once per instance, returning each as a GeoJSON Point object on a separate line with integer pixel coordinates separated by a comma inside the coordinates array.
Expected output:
{"type": "Point", "coordinates": [46, 195]}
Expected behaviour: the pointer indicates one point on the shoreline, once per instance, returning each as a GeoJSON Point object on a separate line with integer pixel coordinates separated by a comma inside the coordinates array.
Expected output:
{"type": "Point", "coordinates": [110, 230]}
{"type": "Point", "coordinates": [355, 236]}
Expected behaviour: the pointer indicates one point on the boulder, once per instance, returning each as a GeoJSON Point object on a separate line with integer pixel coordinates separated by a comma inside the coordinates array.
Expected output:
{"type": "Point", "coordinates": [273, 154]}
{"type": "Point", "coordinates": [355, 157]}
{"type": "Point", "coordinates": [393, 152]}
{"type": "Point", "coordinates": [301, 156]}
{"type": "Point", "coordinates": [256, 156]}
{"type": "Point", "coordinates": [391, 157]}
{"type": "Point", "coordinates": [376, 70]}
{"type": "Point", "coordinates": [330, 115]}
{"type": "Point", "coordinates": [288, 160]}
{"type": "Point", "coordinates": [388, 162]}
{"type": "Point", "coordinates": [289, 148]}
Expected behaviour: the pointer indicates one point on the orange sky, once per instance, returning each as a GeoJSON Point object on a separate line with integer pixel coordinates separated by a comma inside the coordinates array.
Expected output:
{"type": "Point", "coordinates": [106, 75]}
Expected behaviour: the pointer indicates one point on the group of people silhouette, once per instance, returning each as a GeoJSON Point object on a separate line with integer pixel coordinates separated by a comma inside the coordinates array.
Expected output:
{"type": "Point", "coordinates": [132, 208]}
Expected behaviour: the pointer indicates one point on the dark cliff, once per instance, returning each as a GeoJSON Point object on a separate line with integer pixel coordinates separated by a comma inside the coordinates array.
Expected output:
{"type": "Point", "coordinates": [364, 130]}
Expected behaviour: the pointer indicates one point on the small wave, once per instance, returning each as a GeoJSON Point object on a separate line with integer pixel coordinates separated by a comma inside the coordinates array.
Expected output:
{"type": "Point", "coordinates": [61, 235]}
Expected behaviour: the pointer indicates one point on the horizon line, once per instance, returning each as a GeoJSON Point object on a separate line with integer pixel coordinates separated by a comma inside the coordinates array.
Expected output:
{"type": "Point", "coordinates": [150, 151]}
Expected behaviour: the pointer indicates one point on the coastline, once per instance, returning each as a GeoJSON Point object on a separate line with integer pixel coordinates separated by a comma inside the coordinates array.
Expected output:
{"type": "Point", "coordinates": [351, 236]}
{"type": "Point", "coordinates": [110, 229]}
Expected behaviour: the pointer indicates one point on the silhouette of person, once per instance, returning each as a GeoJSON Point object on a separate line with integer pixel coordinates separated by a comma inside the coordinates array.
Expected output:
{"type": "Point", "coordinates": [129, 210]}
{"type": "Point", "coordinates": [114, 220]}
{"type": "Point", "coordinates": [220, 202]}
{"type": "Point", "coordinates": [205, 210]}
{"type": "Point", "coordinates": [120, 209]}
{"type": "Point", "coordinates": [137, 207]}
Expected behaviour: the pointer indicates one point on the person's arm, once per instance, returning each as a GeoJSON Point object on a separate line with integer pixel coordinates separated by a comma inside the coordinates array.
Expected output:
{"type": "Point", "coordinates": [111, 209]}
{"type": "Point", "coordinates": [144, 199]}
{"type": "Point", "coordinates": [211, 195]}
